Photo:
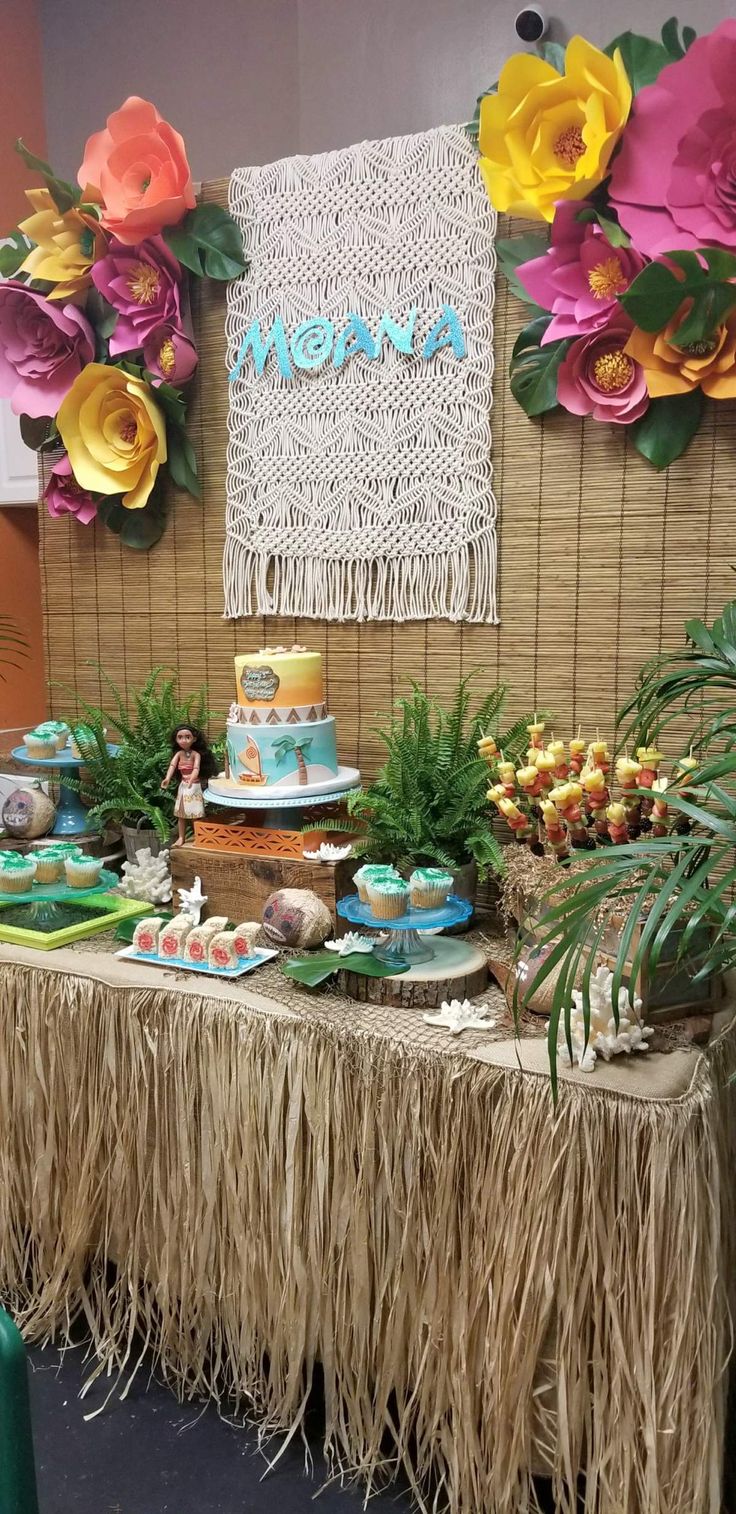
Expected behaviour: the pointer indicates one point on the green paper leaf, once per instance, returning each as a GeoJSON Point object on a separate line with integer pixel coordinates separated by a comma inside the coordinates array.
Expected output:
{"type": "Point", "coordinates": [112, 513]}
{"type": "Point", "coordinates": [39, 433]}
{"type": "Point", "coordinates": [182, 461]}
{"type": "Point", "coordinates": [319, 966]}
{"type": "Point", "coordinates": [103, 317]}
{"type": "Point", "coordinates": [615, 233]}
{"type": "Point", "coordinates": [657, 293]}
{"type": "Point", "coordinates": [63, 194]}
{"type": "Point", "coordinates": [653, 297]}
{"type": "Point", "coordinates": [553, 53]}
{"type": "Point", "coordinates": [642, 58]}
{"type": "Point", "coordinates": [676, 47]}
{"type": "Point", "coordinates": [533, 369]}
{"type": "Point", "coordinates": [208, 241]}
{"type": "Point", "coordinates": [689, 35]}
{"type": "Point", "coordinates": [667, 427]}
{"type": "Point", "coordinates": [12, 255]}
{"type": "Point", "coordinates": [141, 529]}
{"type": "Point", "coordinates": [511, 252]}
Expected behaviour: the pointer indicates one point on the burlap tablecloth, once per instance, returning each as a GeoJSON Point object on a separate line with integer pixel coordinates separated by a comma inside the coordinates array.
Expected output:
{"type": "Point", "coordinates": [490, 1286]}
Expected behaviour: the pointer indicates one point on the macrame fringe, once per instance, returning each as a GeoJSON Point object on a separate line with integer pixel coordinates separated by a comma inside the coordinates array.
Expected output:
{"type": "Point", "coordinates": [458, 585]}
{"type": "Point", "coordinates": [488, 1288]}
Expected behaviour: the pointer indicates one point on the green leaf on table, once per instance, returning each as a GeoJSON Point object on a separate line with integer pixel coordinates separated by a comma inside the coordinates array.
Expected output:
{"type": "Point", "coordinates": [182, 461]}
{"type": "Point", "coordinates": [63, 194]}
{"type": "Point", "coordinates": [319, 966]}
{"type": "Point", "coordinates": [657, 293]}
{"type": "Point", "coordinates": [642, 58]}
{"type": "Point", "coordinates": [667, 427]}
{"type": "Point", "coordinates": [13, 254]}
{"type": "Point", "coordinates": [209, 242]}
{"type": "Point", "coordinates": [513, 251]}
{"type": "Point", "coordinates": [533, 369]}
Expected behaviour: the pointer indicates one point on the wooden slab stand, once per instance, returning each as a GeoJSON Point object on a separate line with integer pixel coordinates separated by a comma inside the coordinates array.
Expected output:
{"type": "Point", "coordinates": [238, 886]}
{"type": "Point", "coordinates": [458, 972]}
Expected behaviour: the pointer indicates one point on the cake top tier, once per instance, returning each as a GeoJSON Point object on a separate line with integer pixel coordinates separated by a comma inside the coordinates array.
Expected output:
{"type": "Point", "coordinates": [285, 680]}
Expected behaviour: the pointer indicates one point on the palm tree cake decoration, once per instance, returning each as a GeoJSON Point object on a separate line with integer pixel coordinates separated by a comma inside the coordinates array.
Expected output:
{"type": "Point", "coordinates": [286, 746]}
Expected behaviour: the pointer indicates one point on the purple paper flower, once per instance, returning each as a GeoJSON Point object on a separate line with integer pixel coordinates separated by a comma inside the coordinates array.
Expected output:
{"type": "Point", "coordinates": [597, 377]}
{"type": "Point", "coordinates": [64, 496]}
{"type": "Point", "coordinates": [170, 353]}
{"type": "Point", "coordinates": [144, 285]}
{"type": "Point", "coordinates": [580, 276]}
{"type": "Point", "coordinates": [674, 182]}
{"type": "Point", "coordinates": [43, 348]}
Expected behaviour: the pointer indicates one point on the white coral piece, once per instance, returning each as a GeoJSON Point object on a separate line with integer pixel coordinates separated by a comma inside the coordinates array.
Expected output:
{"type": "Point", "coordinates": [604, 1038]}
{"type": "Point", "coordinates": [192, 901]}
{"type": "Point", "coordinates": [148, 878]}
{"type": "Point", "coordinates": [457, 1016]}
{"type": "Point", "coordinates": [328, 853]}
{"type": "Point", "coordinates": [352, 942]}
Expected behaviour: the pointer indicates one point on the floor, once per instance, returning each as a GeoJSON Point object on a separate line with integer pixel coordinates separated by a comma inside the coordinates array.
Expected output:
{"type": "Point", "coordinates": [152, 1455]}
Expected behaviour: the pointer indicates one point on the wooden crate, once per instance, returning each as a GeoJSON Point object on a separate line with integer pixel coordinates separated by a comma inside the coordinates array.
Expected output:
{"type": "Point", "coordinates": [261, 840]}
{"type": "Point", "coordinates": [238, 886]}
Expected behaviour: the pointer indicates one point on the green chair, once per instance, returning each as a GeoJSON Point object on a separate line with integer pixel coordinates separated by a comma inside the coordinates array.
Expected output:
{"type": "Point", "coordinates": [17, 1468]}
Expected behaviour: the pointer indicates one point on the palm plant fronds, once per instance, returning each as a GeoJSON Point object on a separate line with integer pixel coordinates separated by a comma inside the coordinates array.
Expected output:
{"type": "Point", "coordinates": [13, 644]}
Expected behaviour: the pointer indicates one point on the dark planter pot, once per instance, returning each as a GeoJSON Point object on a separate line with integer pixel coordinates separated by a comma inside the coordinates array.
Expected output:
{"type": "Point", "coordinates": [136, 837]}
{"type": "Point", "coordinates": [464, 886]}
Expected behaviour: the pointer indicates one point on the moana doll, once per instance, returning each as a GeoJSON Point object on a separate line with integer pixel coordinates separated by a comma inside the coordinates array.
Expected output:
{"type": "Point", "coordinates": [193, 764]}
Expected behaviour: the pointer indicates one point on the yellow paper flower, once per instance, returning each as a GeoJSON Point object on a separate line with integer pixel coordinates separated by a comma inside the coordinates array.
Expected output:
{"type": "Point", "coordinates": [547, 136]}
{"type": "Point", "coordinates": [668, 369]}
{"type": "Point", "coordinates": [114, 433]}
{"type": "Point", "coordinates": [66, 245]}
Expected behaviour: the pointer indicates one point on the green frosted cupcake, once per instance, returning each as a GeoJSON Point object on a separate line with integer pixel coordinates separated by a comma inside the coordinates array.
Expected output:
{"type": "Point", "coordinates": [369, 870]}
{"type": "Point", "coordinates": [388, 897]}
{"type": "Point", "coordinates": [16, 873]}
{"type": "Point", "coordinates": [58, 730]}
{"type": "Point", "coordinates": [40, 743]}
{"type": "Point", "coordinates": [82, 872]}
{"type": "Point", "coordinates": [429, 887]}
{"type": "Point", "coordinates": [50, 861]}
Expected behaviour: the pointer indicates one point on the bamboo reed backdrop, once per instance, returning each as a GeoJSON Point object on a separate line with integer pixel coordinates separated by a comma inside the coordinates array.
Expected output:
{"type": "Point", "coordinates": [600, 561]}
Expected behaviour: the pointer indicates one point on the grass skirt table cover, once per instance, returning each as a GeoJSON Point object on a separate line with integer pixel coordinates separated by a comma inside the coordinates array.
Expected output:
{"type": "Point", "coordinates": [490, 1289]}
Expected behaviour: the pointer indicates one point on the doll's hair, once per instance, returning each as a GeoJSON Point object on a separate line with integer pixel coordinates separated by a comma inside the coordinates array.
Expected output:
{"type": "Point", "coordinates": [207, 764]}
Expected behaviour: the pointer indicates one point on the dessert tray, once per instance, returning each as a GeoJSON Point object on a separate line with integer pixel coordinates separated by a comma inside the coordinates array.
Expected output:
{"type": "Point", "coordinates": [244, 965]}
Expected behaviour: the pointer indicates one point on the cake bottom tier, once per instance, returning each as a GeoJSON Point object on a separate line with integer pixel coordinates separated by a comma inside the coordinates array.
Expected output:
{"type": "Point", "coordinates": [302, 754]}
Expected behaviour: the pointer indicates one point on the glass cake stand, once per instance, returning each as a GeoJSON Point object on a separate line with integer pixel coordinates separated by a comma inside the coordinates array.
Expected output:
{"type": "Point", "coordinates": [405, 943]}
{"type": "Point", "coordinates": [72, 818]}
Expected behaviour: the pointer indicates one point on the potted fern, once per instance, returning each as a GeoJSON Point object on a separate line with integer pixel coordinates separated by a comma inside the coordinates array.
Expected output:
{"type": "Point", "coordinates": [125, 790]}
{"type": "Point", "coordinates": [428, 805]}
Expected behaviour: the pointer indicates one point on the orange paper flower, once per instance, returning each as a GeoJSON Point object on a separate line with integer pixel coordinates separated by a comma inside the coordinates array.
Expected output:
{"type": "Point", "coordinates": [137, 167]}
{"type": "Point", "coordinates": [669, 369]}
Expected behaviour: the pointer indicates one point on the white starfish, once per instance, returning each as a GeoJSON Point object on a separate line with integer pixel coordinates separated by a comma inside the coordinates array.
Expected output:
{"type": "Point", "coordinates": [352, 942]}
{"type": "Point", "coordinates": [192, 901]}
{"type": "Point", "coordinates": [457, 1016]}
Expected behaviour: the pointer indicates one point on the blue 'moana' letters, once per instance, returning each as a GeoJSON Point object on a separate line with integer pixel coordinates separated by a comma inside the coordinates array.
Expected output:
{"type": "Point", "coordinates": [314, 342]}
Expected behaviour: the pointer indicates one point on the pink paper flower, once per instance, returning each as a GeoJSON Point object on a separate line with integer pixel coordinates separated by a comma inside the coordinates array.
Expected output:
{"type": "Point", "coordinates": [598, 378]}
{"type": "Point", "coordinates": [144, 285]}
{"type": "Point", "coordinates": [674, 181]}
{"type": "Point", "coordinates": [43, 348]}
{"type": "Point", "coordinates": [63, 495]}
{"type": "Point", "coordinates": [580, 276]}
{"type": "Point", "coordinates": [170, 353]}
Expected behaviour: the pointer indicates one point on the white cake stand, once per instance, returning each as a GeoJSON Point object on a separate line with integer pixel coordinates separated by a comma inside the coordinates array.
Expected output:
{"type": "Point", "coordinates": [273, 802]}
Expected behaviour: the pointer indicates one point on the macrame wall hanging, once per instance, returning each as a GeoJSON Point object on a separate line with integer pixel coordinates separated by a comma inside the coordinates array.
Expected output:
{"type": "Point", "coordinates": [360, 350]}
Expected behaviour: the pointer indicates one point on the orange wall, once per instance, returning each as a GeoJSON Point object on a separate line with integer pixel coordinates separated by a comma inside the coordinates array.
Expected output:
{"type": "Point", "coordinates": [22, 692]}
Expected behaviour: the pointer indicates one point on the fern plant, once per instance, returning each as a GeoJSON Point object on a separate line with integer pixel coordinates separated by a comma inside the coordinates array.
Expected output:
{"type": "Point", "coordinates": [126, 789]}
{"type": "Point", "coordinates": [679, 885]}
{"type": "Point", "coordinates": [428, 805]}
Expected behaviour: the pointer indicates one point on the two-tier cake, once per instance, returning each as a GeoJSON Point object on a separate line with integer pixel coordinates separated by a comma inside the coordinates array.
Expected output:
{"type": "Point", "coordinates": [280, 738]}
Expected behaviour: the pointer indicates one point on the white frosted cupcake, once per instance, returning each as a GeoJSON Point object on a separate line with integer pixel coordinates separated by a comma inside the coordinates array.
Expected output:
{"type": "Point", "coordinates": [369, 870]}
{"type": "Point", "coordinates": [429, 887]}
{"type": "Point", "coordinates": [388, 897]}
{"type": "Point", "coordinates": [82, 872]}
{"type": "Point", "coordinates": [17, 873]}
{"type": "Point", "coordinates": [40, 743]}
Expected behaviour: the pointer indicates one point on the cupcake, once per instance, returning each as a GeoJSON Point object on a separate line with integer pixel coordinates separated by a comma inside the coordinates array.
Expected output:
{"type": "Point", "coordinates": [50, 861]}
{"type": "Point", "coordinates": [40, 743]}
{"type": "Point", "coordinates": [388, 897]}
{"type": "Point", "coordinates": [429, 887]}
{"type": "Point", "coordinates": [16, 873]}
{"type": "Point", "coordinates": [82, 872]}
{"type": "Point", "coordinates": [58, 730]}
{"type": "Point", "coordinates": [370, 870]}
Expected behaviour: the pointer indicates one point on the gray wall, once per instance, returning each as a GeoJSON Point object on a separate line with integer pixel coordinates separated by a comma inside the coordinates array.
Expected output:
{"type": "Point", "coordinates": [247, 81]}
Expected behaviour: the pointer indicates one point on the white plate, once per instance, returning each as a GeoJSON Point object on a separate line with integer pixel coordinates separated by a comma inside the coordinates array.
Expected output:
{"type": "Point", "coordinates": [245, 965]}
{"type": "Point", "coordinates": [276, 794]}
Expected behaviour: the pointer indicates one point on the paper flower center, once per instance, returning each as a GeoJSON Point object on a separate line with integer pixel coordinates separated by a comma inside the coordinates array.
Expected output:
{"type": "Point", "coordinates": [612, 371]}
{"type": "Point", "coordinates": [569, 146]}
{"type": "Point", "coordinates": [606, 279]}
{"type": "Point", "coordinates": [167, 357]}
{"type": "Point", "coordinates": [128, 430]}
{"type": "Point", "coordinates": [143, 283]}
{"type": "Point", "coordinates": [698, 349]}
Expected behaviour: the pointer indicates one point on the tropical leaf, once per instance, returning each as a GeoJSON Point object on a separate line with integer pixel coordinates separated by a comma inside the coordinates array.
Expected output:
{"type": "Point", "coordinates": [208, 241]}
